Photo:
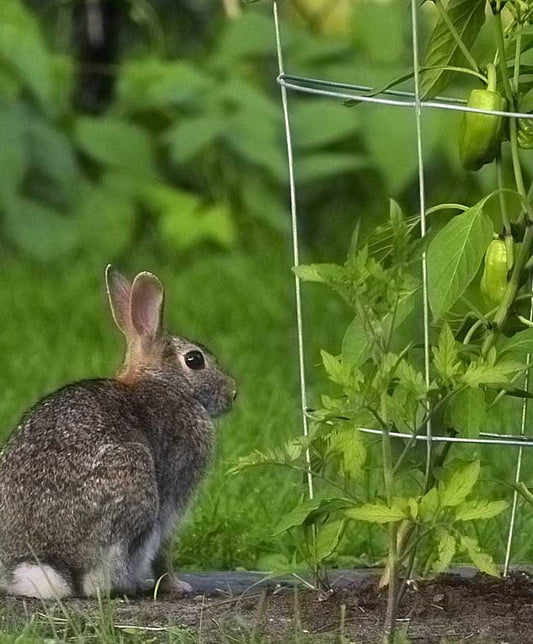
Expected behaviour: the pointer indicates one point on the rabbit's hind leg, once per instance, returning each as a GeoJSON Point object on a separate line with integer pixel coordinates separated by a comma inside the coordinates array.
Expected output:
{"type": "Point", "coordinates": [127, 530]}
{"type": "Point", "coordinates": [124, 568]}
{"type": "Point", "coordinates": [143, 551]}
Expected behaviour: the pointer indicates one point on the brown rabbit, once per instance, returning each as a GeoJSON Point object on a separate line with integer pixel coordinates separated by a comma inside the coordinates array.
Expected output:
{"type": "Point", "coordinates": [97, 474]}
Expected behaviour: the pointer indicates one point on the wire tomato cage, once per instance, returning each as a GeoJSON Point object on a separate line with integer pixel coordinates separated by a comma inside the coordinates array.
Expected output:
{"type": "Point", "coordinates": [409, 100]}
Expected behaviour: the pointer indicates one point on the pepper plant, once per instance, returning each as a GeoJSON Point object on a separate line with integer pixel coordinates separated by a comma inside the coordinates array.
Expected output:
{"type": "Point", "coordinates": [426, 494]}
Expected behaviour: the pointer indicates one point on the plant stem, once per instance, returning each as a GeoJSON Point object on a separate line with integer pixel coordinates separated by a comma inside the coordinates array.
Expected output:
{"type": "Point", "coordinates": [472, 330]}
{"type": "Point", "coordinates": [519, 180]}
{"type": "Point", "coordinates": [501, 196]}
{"type": "Point", "coordinates": [388, 476]}
{"type": "Point", "coordinates": [232, 8]}
{"type": "Point", "coordinates": [453, 31]}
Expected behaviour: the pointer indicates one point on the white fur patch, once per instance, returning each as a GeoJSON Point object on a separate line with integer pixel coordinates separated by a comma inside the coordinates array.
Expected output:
{"type": "Point", "coordinates": [33, 580]}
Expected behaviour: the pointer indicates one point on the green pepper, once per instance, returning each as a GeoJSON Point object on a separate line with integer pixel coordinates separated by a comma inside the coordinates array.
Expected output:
{"type": "Point", "coordinates": [481, 134]}
{"type": "Point", "coordinates": [494, 279]}
{"type": "Point", "coordinates": [524, 128]}
{"type": "Point", "coordinates": [525, 133]}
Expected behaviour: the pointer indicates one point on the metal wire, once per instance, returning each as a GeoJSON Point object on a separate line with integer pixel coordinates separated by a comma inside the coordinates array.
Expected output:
{"type": "Point", "coordinates": [422, 200]}
{"type": "Point", "coordinates": [512, 441]}
{"type": "Point", "coordinates": [519, 458]}
{"type": "Point", "coordinates": [507, 440]}
{"type": "Point", "coordinates": [295, 250]}
{"type": "Point", "coordinates": [300, 84]}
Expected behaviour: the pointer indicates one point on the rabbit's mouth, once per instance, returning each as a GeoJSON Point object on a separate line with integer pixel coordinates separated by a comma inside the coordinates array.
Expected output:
{"type": "Point", "coordinates": [216, 400]}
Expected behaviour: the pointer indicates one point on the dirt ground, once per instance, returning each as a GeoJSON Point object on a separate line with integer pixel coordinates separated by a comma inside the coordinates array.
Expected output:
{"type": "Point", "coordinates": [456, 608]}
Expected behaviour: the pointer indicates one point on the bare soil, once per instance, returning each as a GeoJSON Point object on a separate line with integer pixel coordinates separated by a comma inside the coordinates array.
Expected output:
{"type": "Point", "coordinates": [455, 608]}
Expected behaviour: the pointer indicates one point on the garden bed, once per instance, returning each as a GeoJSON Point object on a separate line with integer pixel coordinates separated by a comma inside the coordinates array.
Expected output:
{"type": "Point", "coordinates": [462, 606]}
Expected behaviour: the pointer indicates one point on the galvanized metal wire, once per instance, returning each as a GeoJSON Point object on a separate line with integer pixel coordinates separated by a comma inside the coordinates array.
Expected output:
{"type": "Point", "coordinates": [295, 251]}
{"type": "Point", "coordinates": [518, 468]}
{"type": "Point", "coordinates": [422, 201]}
{"type": "Point", "coordinates": [412, 100]}
{"type": "Point", "coordinates": [357, 93]}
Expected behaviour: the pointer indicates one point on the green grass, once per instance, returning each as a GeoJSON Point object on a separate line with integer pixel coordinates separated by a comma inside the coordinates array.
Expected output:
{"type": "Point", "coordinates": [56, 329]}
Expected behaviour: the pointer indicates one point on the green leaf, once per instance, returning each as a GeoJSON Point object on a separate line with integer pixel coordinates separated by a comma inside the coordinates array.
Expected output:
{"type": "Point", "coordinates": [467, 412]}
{"type": "Point", "coordinates": [116, 143]}
{"type": "Point", "coordinates": [392, 134]}
{"type": "Point", "coordinates": [447, 546]}
{"type": "Point", "coordinates": [148, 84]}
{"type": "Point", "coordinates": [377, 513]}
{"type": "Point", "coordinates": [454, 257]}
{"type": "Point", "coordinates": [106, 220]}
{"type": "Point", "coordinates": [327, 539]}
{"type": "Point", "coordinates": [479, 509]}
{"type": "Point", "coordinates": [459, 484]}
{"type": "Point", "coordinates": [333, 367]}
{"type": "Point", "coordinates": [23, 50]}
{"type": "Point", "coordinates": [39, 231]}
{"type": "Point", "coordinates": [355, 346]}
{"type": "Point", "coordinates": [217, 224]}
{"type": "Point", "coordinates": [467, 16]}
{"type": "Point", "coordinates": [191, 136]}
{"type": "Point", "coordinates": [445, 355]}
{"type": "Point", "coordinates": [481, 373]}
{"type": "Point", "coordinates": [322, 273]}
{"type": "Point", "coordinates": [520, 343]}
{"type": "Point", "coordinates": [428, 506]}
{"type": "Point", "coordinates": [248, 37]}
{"type": "Point", "coordinates": [319, 166]}
{"type": "Point", "coordinates": [185, 221]}
{"type": "Point", "coordinates": [309, 511]}
{"type": "Point", "coordinates": [348, 442]}
{"type": "Point", "coordinates": [322, 122]}
{"type": "Point", "coordinates": [13, 150]}
{"type": "Point", "coordinates": [482, 560]}
{"type": "Point", "coordinates": [52, 155]}
{"type": "Point", "coordinates": [263, 202]}
{"type": "Point", "coordinates": [298, 515]}
{"type": "Point", "coordinates": [267, 457]}
{"type": "Point", "coordinates": [378, 47]}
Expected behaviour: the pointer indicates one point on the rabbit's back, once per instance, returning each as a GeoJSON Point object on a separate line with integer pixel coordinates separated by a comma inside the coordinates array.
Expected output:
{"type": "Point", "coordinates": [72, 459]}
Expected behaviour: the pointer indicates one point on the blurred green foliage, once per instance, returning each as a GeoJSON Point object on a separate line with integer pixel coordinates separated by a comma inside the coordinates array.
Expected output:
{"type": "Point", "coordinates": [191, 150]}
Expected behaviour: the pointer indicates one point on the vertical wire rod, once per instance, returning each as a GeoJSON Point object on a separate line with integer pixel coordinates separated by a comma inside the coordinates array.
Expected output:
{"type": "Point", "coordinates": [519, 458]}
{"type": "Point", "coordinates": [296, 254]}
{"type": "Point", "coordinates": [422, 199]}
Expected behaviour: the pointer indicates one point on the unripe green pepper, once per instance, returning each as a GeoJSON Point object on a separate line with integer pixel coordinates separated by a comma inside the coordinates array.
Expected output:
{"type": "Point", "coordinates": [524, 133]}
{"type": "Point", "coordinates": [481, 134]}
{"type": "Point", "coordinates": [494, 279]}
{"type": "Point", "coordinates": [524, 130]}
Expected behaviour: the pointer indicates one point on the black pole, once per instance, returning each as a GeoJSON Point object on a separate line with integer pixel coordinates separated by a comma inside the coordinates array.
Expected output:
{"type": "Point", "coordinates": [97, 47]}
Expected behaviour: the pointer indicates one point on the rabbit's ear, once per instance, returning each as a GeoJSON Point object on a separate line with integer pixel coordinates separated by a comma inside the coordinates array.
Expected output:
{"type": "Point", "coordinates": [119, 291]}
{"type": "Point", "coordinates": [146, 305]}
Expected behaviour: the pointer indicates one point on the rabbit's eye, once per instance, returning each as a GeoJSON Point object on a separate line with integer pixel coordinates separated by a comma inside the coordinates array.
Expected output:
{"type": "Point", "coordinates": [195, 360]}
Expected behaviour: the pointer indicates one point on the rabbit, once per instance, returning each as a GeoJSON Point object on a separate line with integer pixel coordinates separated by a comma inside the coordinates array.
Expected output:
{"type": "Point", "coordinates": [96, 476]}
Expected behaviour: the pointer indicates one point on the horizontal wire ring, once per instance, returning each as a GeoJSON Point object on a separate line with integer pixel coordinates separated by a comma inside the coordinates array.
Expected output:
{"type": "Point", "coordinates": [298, 84]}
